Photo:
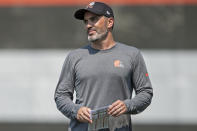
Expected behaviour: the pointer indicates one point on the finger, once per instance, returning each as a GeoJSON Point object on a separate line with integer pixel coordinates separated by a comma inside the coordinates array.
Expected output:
{"type": "Point", "coordinates": [117, 111]}
{"type": "Point", "coordinates": [113, 105]}
{"type": "Point", "coordinates": [121, 112]}
{"type": "Point", "coordinates": [89, 112]}
{"type": "Point", "coordinates": [115, 108]}
{"type": "Point", "coordinates": [84, 118]}
{"type": "Point", "coordinates": [81, 119]}
{"type": "Point", "coordinates": [86, 113]}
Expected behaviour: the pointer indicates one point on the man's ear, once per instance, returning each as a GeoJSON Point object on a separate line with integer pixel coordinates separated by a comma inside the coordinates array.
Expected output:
{"type": "Point", "coordinates": [110, 22]}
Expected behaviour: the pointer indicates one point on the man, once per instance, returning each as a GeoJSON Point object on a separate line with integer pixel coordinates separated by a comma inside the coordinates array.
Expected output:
{"type": "Point", "coordinates": [103, 73]}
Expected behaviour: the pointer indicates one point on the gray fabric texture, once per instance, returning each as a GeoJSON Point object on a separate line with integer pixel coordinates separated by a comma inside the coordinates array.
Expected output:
{"type": "Point", "coordinates": [100, 77]}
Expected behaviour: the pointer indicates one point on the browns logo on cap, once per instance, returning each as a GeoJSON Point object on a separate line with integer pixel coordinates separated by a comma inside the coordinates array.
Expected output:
{"type": "Point", "coordinates": [97, 8]}
{"type": "Point", "coordinates": [90, 5]}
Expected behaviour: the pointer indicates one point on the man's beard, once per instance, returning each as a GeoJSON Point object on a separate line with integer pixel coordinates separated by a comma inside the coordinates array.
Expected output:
{"type": "Point", "coordinates": [98, 36]}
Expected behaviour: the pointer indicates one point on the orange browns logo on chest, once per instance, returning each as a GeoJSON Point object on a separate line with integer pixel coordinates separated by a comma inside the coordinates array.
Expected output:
{"type": "Point", "coordinates": [118, 63]}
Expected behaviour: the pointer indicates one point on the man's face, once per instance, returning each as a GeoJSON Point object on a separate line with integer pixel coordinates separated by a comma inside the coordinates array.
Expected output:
{"type": "Point", "coordinates": [96, 26]}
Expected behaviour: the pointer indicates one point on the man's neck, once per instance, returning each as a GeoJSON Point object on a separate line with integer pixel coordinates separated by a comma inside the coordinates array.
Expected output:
{"type": "Point", "coordinates": [104, 44]}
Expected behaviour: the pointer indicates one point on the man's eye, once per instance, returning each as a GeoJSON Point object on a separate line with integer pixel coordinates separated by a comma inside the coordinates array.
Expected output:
{"type": "Point", "coordinates": [93, 19]}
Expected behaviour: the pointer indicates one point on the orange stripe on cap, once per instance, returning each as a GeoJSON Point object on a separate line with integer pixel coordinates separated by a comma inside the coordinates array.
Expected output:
{"type": "Point", "coordinates": [85, 2]}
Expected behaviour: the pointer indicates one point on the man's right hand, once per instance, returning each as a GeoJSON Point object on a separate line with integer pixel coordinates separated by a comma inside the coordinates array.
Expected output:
{"type": "Point", "coordinates": [83, 115]}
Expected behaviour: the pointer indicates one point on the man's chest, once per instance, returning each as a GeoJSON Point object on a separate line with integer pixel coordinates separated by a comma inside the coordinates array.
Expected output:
{"type": "Point", "coordinates": [103, 66]}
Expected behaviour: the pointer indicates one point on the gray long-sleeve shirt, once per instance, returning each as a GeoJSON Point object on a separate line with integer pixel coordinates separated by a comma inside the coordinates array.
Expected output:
{"type": "Point", "coordinates": [100, 77]}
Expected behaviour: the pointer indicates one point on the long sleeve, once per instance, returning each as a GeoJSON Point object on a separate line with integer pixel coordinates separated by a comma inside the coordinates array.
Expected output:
{"type": "Point", "coordinates": [65, 89]}
{"type": "Point", "coordinates": [142, 86]}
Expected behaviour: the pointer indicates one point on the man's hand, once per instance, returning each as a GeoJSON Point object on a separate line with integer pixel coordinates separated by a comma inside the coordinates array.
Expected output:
{"type": "Point", "coordinates": [83, 115]}
{"type": "Point", "coordinates": [117, 108]}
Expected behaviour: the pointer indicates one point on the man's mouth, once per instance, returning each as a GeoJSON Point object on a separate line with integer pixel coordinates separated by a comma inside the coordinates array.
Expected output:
{"type": "Point", "coordinates": [91, 32]}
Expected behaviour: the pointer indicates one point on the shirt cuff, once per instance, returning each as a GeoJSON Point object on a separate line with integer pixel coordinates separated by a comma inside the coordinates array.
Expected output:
{"type": "Point", "coordinates": [128, 105]}
{"type": "Point", "coordinates": [75, 110]}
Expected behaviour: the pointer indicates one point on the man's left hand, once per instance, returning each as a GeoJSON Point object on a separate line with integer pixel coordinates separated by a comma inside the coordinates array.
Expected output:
{"type": "Point", "coordinates": [117, 108]}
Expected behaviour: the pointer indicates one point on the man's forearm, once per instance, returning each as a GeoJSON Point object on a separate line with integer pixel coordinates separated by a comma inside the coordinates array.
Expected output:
{"type": "Point", "coordinates": [66, 106]}
{"type": "Point", "coordinates": [140, 102]}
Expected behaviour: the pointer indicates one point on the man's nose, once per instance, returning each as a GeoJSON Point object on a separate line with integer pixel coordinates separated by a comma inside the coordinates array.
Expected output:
{"type": "Point", "coordinates": [88, 25]}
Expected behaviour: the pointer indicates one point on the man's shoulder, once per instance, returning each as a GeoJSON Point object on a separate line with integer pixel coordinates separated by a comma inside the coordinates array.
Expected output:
{"type": "Point", "coordinates": [78, 52]}
{"type": "Point", "coordinates": [128, 48]}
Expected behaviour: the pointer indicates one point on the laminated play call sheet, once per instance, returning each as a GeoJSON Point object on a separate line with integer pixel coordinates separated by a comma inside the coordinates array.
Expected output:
{"type": "Point", "coordinates": [100, 119]}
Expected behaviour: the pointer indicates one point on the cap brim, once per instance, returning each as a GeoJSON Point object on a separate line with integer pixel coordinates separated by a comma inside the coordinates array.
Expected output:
{"type": "Point", "coordinates": [79, 14]}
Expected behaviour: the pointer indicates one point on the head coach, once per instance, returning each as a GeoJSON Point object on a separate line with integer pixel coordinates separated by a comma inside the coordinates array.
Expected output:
{"type": "Point", "coordinates": [103, 73]}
